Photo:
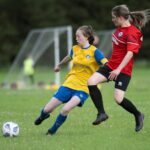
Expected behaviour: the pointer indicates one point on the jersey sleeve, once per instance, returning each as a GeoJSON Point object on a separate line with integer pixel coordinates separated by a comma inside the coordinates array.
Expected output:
{"type": "Point", "coordinates": [71, 53]}
{"type": "Point", "coordinates": [99, 57]}
{"type": "Point", "coordinates": [134, 43]}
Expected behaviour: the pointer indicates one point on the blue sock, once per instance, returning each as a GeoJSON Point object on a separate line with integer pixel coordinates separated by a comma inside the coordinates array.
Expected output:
{"type": "Point", "coordinates": [59, 121]}
{"type": "Point", "coordinates": [44, 114]}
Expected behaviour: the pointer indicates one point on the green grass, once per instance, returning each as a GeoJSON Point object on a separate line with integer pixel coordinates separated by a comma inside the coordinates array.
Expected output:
{"type": "Point", "coordinates": [77, 133]}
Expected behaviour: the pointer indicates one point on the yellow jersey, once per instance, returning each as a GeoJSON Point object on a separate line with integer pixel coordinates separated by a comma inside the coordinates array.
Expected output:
{"type": "Point", "coordinates": [85, 63]}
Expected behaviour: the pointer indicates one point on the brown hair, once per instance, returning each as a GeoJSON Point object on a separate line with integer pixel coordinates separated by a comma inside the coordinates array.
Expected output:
{"type": "Point", "coordinates": [138, 18]}
{"type": "Point", "coordinates": [87, 32]}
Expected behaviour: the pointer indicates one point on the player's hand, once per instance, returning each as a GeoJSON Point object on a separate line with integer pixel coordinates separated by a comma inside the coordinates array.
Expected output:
{"type": "Point", "coordinates": [113, 74]}
{"type": "Point", "coordinates": [57, 68]}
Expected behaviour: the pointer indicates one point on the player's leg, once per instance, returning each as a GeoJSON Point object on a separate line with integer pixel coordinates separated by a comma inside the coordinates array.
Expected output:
{"type": "Point", "coordinates": [61, 118]}
{"type": "Point", "coordinates": [96, 96]}
{"type": "Point", "coordinates": [59, 97]}
{"type": "Point", "coordinates": [49, 107]}
{"type": "Point", "coordinates": [120, 88]}
{"type": "Point", "coordinates": [77, 100]}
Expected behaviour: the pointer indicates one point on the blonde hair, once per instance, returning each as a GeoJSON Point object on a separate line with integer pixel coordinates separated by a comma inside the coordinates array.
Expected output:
{"type": "Point", "coordinates": [138, 18]}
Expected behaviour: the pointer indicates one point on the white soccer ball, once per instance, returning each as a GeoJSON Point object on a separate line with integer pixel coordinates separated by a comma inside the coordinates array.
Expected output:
{"type": "Point", "coordinates": [10, 129]}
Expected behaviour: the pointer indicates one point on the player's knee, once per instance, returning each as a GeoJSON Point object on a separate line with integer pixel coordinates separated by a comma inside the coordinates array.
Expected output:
{"type": "Point", "coordinates": [118, 99]}
{"type": "Point", "coordinates": [91, 81]}
{"type": "Point", "coordinates": [65, 111]}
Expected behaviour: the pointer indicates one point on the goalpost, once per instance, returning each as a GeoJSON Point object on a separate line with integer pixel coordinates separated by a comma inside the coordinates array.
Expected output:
{"type": "Point", "coordinates": [38, 42]}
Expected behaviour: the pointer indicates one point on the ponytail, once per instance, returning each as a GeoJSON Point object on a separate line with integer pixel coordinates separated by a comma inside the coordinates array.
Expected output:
{"type": "Point", "coordinates": [140, 18]}
{"type": "Point", "coordinates": [91, 39]}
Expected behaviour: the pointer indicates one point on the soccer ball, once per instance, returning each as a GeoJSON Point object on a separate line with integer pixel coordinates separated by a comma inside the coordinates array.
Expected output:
{"type": "Point", "coordinates": [10, 129]}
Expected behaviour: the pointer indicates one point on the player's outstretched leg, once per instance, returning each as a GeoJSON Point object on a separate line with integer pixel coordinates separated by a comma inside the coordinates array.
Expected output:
{"type": "Point", "coordinates": [59, 121]}
{"type": "Point", "coordinates": [42, 117]}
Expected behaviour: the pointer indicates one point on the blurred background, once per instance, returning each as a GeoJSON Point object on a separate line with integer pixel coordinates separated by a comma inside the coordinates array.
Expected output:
{"type": "Point", "coordinates": [18, 18]}
{"type": "Point", "coordinates": [35, 29]}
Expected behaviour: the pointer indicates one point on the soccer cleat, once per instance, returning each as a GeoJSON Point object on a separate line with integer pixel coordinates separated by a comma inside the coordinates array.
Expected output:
{"type": "Point", "coordinates": [100, 118]}
{"type": "Point", "coordinates": [49, 132]}
{"type": "Point", "coordinates": [139, 122]}
{"type": "Point", "coordinates": [39, 120]}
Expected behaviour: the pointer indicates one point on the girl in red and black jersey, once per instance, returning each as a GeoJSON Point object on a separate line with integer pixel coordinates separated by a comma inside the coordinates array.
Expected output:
{"type": "Point", "coordinates": [127, 40]}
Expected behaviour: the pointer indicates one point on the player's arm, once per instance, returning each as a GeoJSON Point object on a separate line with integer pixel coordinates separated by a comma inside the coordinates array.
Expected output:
{"type": "Point", "coordinates": [100, 59]}
{"type": "Point", "coordinates": [125, 61]}
{"type": "Point", "coordinates": [116, 72]}
{"type": "Point", "coordinates": [65, 60]}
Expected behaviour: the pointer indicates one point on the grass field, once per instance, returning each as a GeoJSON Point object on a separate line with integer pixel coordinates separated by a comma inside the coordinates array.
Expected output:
{"type": "Point", "coordinates": [23, 106]}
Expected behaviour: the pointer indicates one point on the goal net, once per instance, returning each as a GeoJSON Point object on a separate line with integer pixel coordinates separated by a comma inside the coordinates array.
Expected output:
{"type": "Point", "coordinates": [105, 41]}
{"type": "Point", "coordinates": [46, 46]}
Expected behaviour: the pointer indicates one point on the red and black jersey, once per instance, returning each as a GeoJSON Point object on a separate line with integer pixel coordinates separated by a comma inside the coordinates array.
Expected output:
{"type": "Point", "coordinates": [125, 39]}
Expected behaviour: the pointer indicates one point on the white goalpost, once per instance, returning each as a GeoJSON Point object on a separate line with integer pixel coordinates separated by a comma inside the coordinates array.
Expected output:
{"type": "Point", "coordinates": [38, 42]}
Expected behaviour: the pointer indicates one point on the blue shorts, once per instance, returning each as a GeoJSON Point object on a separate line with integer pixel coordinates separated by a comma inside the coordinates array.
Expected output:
{"type": "Point", "coordinates": [64, 94]}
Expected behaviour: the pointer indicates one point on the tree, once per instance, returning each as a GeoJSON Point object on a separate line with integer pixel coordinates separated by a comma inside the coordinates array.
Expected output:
{"type": "Point", "coordinates": [18, 17]}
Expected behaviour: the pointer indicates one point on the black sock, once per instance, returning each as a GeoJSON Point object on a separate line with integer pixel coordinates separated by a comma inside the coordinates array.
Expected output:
{"type": "Point", "coordinates": [43, 114]}
{"type": "Point", "coordinates": [129, 106]}
{"type": "Point", "coordinates": [96, 97]}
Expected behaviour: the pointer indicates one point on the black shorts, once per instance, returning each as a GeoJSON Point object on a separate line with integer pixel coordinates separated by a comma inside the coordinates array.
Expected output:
{"type": "Point", "coordinates": [122, 80]}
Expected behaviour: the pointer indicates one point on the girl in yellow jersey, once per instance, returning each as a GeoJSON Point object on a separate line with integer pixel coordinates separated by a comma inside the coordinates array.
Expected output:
{"type": "Point", "coordinates": [86, 59]}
